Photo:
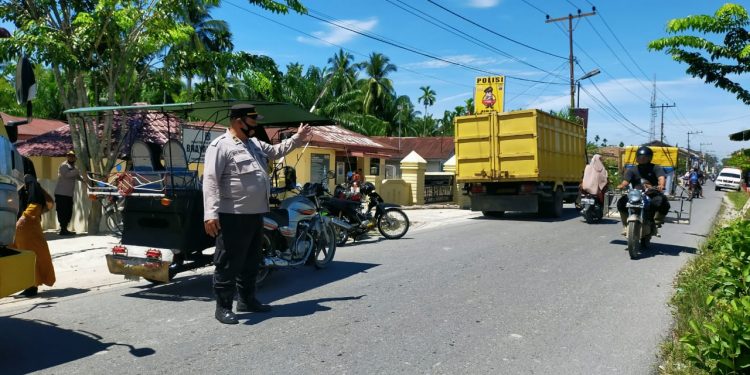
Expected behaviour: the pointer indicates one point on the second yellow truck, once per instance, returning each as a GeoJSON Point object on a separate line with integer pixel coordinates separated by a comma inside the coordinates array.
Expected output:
{"type": "Point", "coordinates": [526, 161]}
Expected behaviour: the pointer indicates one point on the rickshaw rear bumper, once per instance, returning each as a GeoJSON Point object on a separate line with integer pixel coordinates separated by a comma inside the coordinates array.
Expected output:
{"type": "Point", "coordinates": [151, 269]}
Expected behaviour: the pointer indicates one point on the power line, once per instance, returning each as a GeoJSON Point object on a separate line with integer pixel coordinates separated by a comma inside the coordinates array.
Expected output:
{"type": "Point", "coordinates": [342, 47]}
{"type": "Point", "coordinates": [425, 54]}
{"type": "Point", "coordinates": [494, 32]}
{"type": "Point", "coordinates": [445, 26]}
{"type": "Point", "coordinates": [614, 114]}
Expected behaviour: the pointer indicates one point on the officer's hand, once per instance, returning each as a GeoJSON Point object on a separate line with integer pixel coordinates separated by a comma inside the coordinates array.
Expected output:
{"type": "Point", "coordinates": [212, 227]}
{"type": "Point", "coordinates": [304, 130]}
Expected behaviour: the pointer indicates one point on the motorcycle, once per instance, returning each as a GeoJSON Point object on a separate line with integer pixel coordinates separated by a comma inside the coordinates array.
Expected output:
{"type": "Point", "coordinates": [592, 208]}
{"type": "Point", "coordinates": [640, 228]}
{"type": "Point", "coordinates": [296, 232]}
{"type": "Point", "coordinates": [391, 221]}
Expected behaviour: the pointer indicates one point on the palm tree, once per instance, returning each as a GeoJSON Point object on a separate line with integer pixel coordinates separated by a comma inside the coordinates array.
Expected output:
{"type": "Point", "coordinates": [469, 106]}
{"type": "Point", "coordinates": [343, 74]}
{"type": "Point", "coordinates": [427, 98]}
{"type": "Point", "coordinates": [209, 35]}
{"type": "Point", "coordinates": [377, 86]}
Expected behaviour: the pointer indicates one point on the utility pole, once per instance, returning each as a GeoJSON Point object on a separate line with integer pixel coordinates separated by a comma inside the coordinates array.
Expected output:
{"type": "Point", "coordinates": [687, 163]}
{"type": "Point", "coordinates": [662, 118]}
{"type": "Point", "coordinates": [652, 129]}
{"type": "Point", "coordinates": [570, 37]}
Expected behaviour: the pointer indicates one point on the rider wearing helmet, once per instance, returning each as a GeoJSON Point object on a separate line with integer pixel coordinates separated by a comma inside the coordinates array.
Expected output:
{"type": "Point", "coordinates": [652, 176]}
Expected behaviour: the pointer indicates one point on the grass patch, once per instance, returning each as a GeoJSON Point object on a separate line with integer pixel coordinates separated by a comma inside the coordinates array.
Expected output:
{"type": "Point", "coordinates": [711, 308]}
{"type": "Point", "coordinates": [738, 198]}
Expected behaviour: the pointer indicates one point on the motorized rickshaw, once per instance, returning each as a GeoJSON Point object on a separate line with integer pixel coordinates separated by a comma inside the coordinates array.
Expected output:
{"type": "Point", "coordinates": [161, 150]}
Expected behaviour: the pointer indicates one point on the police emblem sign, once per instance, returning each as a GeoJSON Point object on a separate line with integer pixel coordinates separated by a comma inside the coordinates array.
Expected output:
{"type": "Point", "coordinates": [489, 94]}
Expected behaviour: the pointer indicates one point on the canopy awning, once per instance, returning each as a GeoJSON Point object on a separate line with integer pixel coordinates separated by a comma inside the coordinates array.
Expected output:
{"type": "Point", "coordinates": [275, 114]}
{"type": "Point", "coordinates": [740, 136]}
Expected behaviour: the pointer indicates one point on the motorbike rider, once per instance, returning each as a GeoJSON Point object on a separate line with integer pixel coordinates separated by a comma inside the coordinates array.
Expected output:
{"type": "Point", "coordinates": [695, 180]}
{"type": "Point", "coordinates": [595, 178]}
{"type": "Point", "coordinates": [654, 176]}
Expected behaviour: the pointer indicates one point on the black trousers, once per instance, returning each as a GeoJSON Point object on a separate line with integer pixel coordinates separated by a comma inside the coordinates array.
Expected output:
{"type": "Point", "coordinates": [64, 207]}
{"type": "Point", "coordinates": [659, 203]}
{"type": "Point", "coordinates": [238, 254]}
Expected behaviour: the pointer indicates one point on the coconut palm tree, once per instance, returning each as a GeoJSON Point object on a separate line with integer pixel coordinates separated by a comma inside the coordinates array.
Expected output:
{"type": "Point", "coordinates": [377, 86]}
{"type": "Point", "coordinates": [209, 35]}
{"type": "Point", "coordinates": [469, 106]}
{"type": "Point", "coordinates": [427, 98]}
{"type": "Point", "coordinates": [343, 73]}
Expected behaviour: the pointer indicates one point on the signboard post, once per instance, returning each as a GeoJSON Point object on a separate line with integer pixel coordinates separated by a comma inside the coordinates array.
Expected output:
{"type": "Point", "coordinates": [489, 94]}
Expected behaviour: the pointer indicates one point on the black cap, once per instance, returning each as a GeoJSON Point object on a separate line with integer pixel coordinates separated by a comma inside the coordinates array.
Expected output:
{"type": "Point", "coordinates": [242, 110]}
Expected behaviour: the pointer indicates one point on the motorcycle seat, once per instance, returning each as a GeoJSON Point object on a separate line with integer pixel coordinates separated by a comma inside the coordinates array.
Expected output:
{"type": "Point", "coordinates": [343, 203]}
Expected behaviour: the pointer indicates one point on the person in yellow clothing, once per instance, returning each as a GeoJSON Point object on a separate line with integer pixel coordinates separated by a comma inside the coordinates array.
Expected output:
{"type": "Point", "coordinates": [29, 234]}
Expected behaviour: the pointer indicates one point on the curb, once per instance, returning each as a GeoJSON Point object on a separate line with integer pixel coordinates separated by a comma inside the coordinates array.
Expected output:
{"type": "Point", "coordinates": [430, 206]}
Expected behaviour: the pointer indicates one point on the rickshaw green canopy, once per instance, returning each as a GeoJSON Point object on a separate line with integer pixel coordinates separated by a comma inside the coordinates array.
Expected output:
{"type": "Point", "coordinates": [740, 136]}
{"type": "Point", "coordinates": [275, 114]}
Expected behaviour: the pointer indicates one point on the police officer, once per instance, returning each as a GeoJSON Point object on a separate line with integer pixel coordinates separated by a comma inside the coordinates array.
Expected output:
{"type": "Point", "coordinates": [655, 177]}
{"type": "Point", "coordinates": [236, 188]}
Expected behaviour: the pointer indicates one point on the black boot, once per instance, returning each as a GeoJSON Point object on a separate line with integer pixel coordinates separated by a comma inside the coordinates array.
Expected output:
{"type": "Point", "coordinates": [224, 312]}
{"type": "Point", "coordinates": [246, 301]}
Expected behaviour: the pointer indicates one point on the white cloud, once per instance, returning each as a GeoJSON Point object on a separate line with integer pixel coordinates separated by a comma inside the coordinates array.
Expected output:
{"type": "Point", "coordinates": [483, 3]}
{"type": "Point", "coordinates": [336, 35]}
{"type": "Point", "coordinates": [461, 59]}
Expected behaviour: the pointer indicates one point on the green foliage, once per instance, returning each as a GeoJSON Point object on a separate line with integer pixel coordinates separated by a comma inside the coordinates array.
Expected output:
{"type": "Point", "coordinates": [713, 306]}
{"type": "Point", "coordinates": [715, 63]}
{"type": "Point", "coordinates": [738, 198]}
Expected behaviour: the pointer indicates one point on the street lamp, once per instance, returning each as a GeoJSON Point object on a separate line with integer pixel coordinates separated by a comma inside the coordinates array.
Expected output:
{"type": "Point", "coordinates": [578, 82]}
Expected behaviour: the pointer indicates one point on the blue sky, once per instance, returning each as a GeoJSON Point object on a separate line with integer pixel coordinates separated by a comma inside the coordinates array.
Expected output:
{"type": "Point", "coordinates": [601, 41]}
{"type": "Point", "coordinates": [613, 41]}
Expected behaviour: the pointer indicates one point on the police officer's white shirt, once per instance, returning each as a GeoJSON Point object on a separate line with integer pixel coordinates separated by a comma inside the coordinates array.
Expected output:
{"type": "Point", "coordinates": [235, 174]}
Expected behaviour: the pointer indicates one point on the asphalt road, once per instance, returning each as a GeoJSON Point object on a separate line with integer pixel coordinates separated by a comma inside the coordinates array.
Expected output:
{"type": "Point", "coordinates": [517, 295]}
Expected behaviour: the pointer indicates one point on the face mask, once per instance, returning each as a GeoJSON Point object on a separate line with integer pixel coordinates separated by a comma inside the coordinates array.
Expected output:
{"type": "Point", "coordinates": [247, 129]}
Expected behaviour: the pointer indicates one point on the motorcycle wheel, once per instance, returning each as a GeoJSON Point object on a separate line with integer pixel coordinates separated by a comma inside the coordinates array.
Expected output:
{"type": "Point", "coordinates": [325, 246]}
{"type": "Point", "coordinates": [589, 216]}
{"type": "Point", "coordinates": [634, 240]}
{"type": "Point", "coordinates": [264, 271]}
{"type": "Point", "coordinates": [393, 223]}
{"type": "Point", "coordinates": [342, 235]}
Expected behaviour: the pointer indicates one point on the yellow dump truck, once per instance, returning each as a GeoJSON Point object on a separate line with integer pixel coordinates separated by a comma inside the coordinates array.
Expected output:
{"type": "Point", "coordinates": [527, 161]}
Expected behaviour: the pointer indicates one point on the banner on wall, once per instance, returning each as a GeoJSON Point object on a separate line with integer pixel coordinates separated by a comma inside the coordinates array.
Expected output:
{"type": "Point", "coordinates": [489, 94]}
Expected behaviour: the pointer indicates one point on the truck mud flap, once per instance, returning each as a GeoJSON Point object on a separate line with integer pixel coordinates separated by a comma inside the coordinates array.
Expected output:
{"type": "Point", "coordinates": [147, 268]}
{"type": "Point", "coordinates": [520, 203]}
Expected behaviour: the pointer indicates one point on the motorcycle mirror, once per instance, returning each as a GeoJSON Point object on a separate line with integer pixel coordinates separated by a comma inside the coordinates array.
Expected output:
{"type": "Point", "coordinates": [290, 178]}
{"type": "Point", "coordinates": [25, 81]}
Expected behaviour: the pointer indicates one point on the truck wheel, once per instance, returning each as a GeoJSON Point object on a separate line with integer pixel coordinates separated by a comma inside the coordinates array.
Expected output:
{"type": "Point", "coordinates": [494, 214]}
{"type": "Point", "coordinates": [557, 203]}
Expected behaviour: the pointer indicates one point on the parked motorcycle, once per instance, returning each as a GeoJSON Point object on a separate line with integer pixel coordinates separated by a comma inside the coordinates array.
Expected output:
{"type": "Point", "coordinates": [592, 208]}
{"type": "Point", "coordinates": [640, 228]}
{"type": "Point", "coordinates": [297, 233]}
{"type": "Point", "coordinates": [391, 221]}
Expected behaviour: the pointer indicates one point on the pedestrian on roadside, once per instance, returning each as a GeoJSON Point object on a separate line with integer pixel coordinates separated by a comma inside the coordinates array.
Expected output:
{"type": "Point", "coordinates": [29, 235]}
{"type": "Point", "coordinates": [236, 189]}
{"type": "Point", "coordinates": [357, 177]}
{"type": "Point", "coordinates": [67, 175]}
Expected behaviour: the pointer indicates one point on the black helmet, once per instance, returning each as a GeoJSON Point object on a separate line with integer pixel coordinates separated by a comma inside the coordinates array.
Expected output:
{"type": "Point", "coordinates": [646, 152]}
{"type": "Point", "coordinates": [367, 188]}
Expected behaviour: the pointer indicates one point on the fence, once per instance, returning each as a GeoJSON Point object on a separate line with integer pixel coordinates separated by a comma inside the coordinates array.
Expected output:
{"type": "Point", "coordinates": [438, 187]}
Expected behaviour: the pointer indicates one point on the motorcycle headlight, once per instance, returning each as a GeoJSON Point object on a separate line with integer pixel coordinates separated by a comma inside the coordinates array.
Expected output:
{"type": "Point", "coordinates": [634, 196]}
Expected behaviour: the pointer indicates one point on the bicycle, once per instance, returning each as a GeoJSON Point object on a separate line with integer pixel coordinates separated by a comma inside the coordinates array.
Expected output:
{"type": "Point", "coordinates": [112, 207]}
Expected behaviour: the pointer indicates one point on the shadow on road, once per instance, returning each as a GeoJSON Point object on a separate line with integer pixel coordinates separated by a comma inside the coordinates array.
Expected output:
{"type": "Point", "coordinates": [568, 213]}
{"type": "Point", "coordinates": [294, 309]}
{"type": "Point", "coordinates": [656, 248]}
{"type": "Point", "coordinates": [52, 293]}
{"type": "Point", "coordinates": [33, 345]}
{"type": "Point", "coordinates": [282, 283]}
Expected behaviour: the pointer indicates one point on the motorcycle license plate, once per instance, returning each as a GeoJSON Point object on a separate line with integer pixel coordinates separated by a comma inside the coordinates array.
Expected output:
{"type": "Point", "coordinates": [587, 201]}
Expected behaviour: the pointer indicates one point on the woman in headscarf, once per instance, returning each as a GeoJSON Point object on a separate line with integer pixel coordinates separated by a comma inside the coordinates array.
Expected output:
{"type": "Point", "coordinates": [29, 234]}
{"type": "Point", "coordinates": [595, 178]}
